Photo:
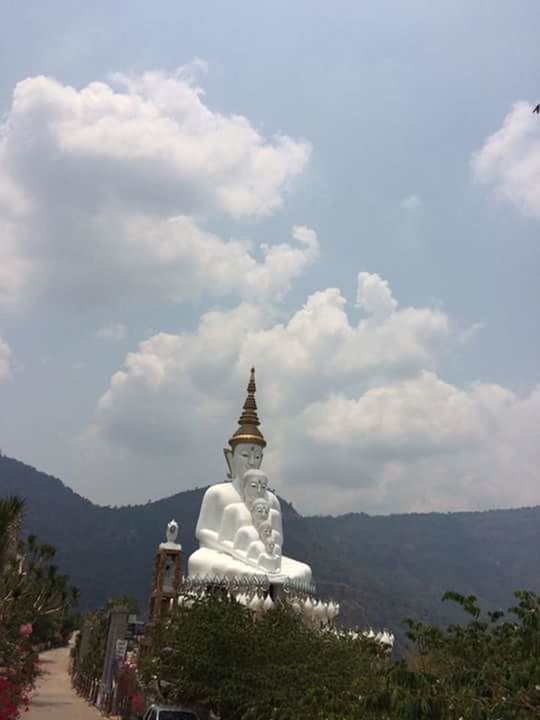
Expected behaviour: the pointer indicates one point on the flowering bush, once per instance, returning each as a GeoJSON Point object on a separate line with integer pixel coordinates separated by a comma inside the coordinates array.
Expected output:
{"type": "Point", "coordinates": [25, 630]}
{"type": "Point", "coordinates": [19, 673]}
{"type": "Point", "coordinates": [33, 596]}
{"type": "Point", "coordinates": [13, 697]}
{"type": "Point", "coordinates": [137, 703]}
{"type": "Point", "coordinates": [129, 688]}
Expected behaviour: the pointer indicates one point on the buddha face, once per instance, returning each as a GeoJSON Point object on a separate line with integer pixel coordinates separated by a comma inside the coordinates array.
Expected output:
{"type": "Point", "coordinates": [254, 485]}
{"type": "Point", "coordinates": [265, 531]}
{"type": "Point", "coordinates": [244, 457]}
{"type": "Point", "coordinates": [260, 511]}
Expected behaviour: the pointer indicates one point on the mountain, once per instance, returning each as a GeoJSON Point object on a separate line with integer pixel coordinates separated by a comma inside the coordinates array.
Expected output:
{"type": "Point", "coordinates": [380, 568]}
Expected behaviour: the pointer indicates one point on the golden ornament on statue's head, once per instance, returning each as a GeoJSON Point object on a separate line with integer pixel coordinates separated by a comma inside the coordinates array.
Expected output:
{"type": "Point", "coordinates": [249, 432]}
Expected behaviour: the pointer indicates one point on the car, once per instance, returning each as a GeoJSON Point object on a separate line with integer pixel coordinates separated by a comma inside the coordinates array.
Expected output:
{"type": "Point", "coordinates": [169, 712]}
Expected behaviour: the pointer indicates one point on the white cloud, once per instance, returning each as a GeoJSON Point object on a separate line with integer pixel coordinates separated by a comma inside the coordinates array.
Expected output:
{"type": "Point", "coordinates": [356, 416]}
{"type": "Point", "coordinates": [177, 260]}
{"type": "Point", "coordinates": [15, 269]}
{"type": "Point", "coordinates": [317, 344]}
{"type": "Point", "coordinates": [146, 139]}
{"type": "Point", "coordinates": [509, 160]}
{"type": "Point", "coordinates": [104, 191]}
{"type": "Point", "coordinates": [374, 295]}
{"type": "Point", "coordinates": [113, 331]}
{"type": "Point", "coordinates": [5, 360]}
{"type": "Point", "coordinates": [421, 415]}
{"type": "Point", "coordinates": [355, 413]}
{"type": "Point", "coordinates": [108, 192]}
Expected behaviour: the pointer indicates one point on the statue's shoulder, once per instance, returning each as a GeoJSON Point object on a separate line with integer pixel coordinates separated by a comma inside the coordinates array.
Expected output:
{"type": "Point", "coordinates": [224, 492]}
{"type": "Point", "coordinates": [273, 500]}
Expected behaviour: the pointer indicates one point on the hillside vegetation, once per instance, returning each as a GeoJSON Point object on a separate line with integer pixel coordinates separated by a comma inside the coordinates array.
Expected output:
{"type": "Point", "coordinates": [380, 568]}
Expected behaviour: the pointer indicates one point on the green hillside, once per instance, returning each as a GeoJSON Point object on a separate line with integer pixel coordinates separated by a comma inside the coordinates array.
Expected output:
{"type": "Point", "coordinates": [381, 568]}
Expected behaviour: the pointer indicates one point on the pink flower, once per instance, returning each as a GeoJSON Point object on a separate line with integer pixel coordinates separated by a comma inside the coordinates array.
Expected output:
{"type": "Point", "coordinates": [137, 703]}
{"type": "Point", "coordinates": [25, 630]}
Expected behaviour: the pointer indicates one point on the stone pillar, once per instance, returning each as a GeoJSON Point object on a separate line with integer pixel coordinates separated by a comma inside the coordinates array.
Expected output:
{"type": "Point", "coordinates": [86, 632]}
{"type": "Point", "coordinates": [166, 580]}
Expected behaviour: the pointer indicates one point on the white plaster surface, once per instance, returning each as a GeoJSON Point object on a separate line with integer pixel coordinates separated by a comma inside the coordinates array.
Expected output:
{"type": "Point", "coordinates": [240, 528]}
{"type": "Point", "coordinates": [170, 546]}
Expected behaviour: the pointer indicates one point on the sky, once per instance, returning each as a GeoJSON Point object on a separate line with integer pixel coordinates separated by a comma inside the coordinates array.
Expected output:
{"type": "Point", "coordinates": [344, 195]}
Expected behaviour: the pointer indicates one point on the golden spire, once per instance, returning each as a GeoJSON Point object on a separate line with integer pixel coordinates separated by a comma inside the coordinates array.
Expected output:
{"type": "Point", "coordinates": [249, 432]}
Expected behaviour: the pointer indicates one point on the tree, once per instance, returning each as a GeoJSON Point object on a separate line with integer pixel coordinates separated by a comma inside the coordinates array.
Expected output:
{"type": "Point", "coordinates": [35, 601]}
{"type": "Point", "coordinates": [11, 510]}
{"type": "Point", "coordinates": [96, 625]}
{"type": "Point", "coordinates": [486, 668]}
{"type": "Point", "coordinates": [217, 654]}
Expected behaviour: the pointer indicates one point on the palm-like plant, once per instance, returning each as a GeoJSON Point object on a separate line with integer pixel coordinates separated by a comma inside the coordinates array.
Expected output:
{"type": "Point", "coordinates": [35, 600]}
{"type": "Point", "coordinates": [11, 513]}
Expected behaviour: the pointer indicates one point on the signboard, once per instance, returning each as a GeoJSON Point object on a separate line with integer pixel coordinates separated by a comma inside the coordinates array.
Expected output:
{"type": "Point", "coordinates": [120, 650]}
{"type": "Point", "coordinates": [117, 630]}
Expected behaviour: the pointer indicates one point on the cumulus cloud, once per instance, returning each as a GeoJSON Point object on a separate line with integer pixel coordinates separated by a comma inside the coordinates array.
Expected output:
{"type": "Point", "coordinates": [355, 412]}
{"type": "Point", "coordinates": [170, 259]}
{"type": "Point", "coordinates": [421, 415]}
{"type": "Point", "coordinates": [145, 139]}
{"type": "Point", "coordinates": [15, 270]}
{"type": "Point", "coordinates": [374, 295]}
{"type": "Point", "coordinates": [509, 160]}
{"type": "Point", "coordinates": [103, 191]}
{"type": "Point", "coordinates": [5, 360]}
{"type": "Point", "coordinates": [318, 343]}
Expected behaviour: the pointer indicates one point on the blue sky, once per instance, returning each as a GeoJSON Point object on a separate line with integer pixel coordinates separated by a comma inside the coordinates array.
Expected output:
{"type": "Point", "coordinates": [388, 107]}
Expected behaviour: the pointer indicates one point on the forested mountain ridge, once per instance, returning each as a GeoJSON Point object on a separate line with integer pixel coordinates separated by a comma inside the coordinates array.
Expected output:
{"type": "Point", "coordinates": [381, 568]}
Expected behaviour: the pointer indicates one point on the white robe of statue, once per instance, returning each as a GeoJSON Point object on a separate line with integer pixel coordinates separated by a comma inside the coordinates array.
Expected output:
{"type": "Point", "coordinates": [240, 529]}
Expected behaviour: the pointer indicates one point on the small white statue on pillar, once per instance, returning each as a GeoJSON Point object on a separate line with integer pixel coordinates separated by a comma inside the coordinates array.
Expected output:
{"type": "Point", "coordinates": [240, 530]}
{"type": "Point", "coordinates": [168, 574]}
{"type": "Point", "coordinates": [172, 531]}
{"type": "Point", "coordinates": [171, 535]}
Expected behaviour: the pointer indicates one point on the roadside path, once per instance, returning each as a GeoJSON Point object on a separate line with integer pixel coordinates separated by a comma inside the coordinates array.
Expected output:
{"type": "Point", "coordinates": [54, 698]}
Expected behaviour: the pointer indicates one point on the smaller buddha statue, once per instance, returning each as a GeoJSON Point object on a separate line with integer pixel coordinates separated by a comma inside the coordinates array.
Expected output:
{"type": "Point", "coordinates": [240, 529]}
{"type": "Point", "coordinates": [271, 539]}
{"type": "Point", "coordinates": [257, 543]}
{"type": "Point", "coordinates": [172, 531]}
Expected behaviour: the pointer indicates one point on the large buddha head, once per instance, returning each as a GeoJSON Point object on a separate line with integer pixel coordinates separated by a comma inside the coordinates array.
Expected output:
{"type": "Point", "coordinates": [246, 445]}
{"type": "Point", "coordinates": [254, 485]}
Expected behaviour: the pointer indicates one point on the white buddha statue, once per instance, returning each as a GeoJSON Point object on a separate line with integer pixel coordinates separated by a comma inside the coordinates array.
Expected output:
{"type": "Point", "coordinates": [240, 530]}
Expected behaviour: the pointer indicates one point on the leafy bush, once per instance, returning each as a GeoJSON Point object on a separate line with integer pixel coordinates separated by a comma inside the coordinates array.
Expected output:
{"type": "Point", "coordinates": [35, 602]}
{"type": "Point", "coordinates": [216, 654]}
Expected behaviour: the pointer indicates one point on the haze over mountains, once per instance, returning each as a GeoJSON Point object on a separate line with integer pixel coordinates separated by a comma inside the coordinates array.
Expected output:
{"type": "Point", "coordinates": [380, 568]}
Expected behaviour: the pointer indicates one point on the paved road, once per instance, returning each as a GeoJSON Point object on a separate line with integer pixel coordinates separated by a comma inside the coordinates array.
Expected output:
{"type": "Point", "coordinates": [54, 698]}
